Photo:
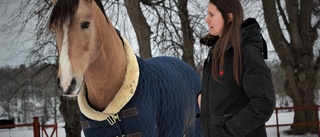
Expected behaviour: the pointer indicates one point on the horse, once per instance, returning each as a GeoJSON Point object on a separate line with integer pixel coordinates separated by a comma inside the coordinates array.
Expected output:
{"type": "Point", "coordinates": [120, 94]}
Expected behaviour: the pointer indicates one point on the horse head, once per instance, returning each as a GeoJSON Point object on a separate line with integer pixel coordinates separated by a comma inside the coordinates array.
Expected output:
{"type": "Point", "coordinates": [84, 35]}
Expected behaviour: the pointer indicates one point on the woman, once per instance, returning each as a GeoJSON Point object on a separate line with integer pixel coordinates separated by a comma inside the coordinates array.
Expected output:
{"type": "Point", "coordinates": [237, 92]}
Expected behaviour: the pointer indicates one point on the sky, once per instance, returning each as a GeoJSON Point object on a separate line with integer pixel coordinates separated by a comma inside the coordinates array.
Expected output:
{"type": "Point", "coordinates": [284, 118]}
{"type": "Point", "coordinates": [11, 46]}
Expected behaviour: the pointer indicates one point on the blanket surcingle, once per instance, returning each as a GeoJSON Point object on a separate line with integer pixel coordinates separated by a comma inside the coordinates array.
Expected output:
{"type": "Point", "coordinates": [157, 99]}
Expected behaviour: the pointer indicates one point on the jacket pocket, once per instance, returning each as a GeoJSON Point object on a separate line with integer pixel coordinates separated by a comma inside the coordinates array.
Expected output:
{"type": "Point", "coordinates": [217, 127]}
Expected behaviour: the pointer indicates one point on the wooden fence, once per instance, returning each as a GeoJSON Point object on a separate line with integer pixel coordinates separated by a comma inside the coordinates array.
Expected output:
{"type": "Point", "coordinates": [36, 125]}
{"type": "Point", "coordinates": [36, 128]}
{"type": "Point", "coordinates": [277, 125]}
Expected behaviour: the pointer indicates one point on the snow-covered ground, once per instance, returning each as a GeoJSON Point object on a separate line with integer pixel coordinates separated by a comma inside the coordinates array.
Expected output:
{"type": "Point", "coordinates": [284, 118]}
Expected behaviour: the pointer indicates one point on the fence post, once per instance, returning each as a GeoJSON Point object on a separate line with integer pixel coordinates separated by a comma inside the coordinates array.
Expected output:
{"type": "Point", "coordinates": [277, 120]}
{"type": "Point", "coordinates": [56, 128]}
{"type": "Point", "coordinates": [317, 114]}
{"type": "Point", "coordinates": [36, 127]}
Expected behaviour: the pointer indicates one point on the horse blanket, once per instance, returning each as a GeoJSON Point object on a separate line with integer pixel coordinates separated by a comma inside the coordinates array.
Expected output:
{"type": "Point", "coordinates": [155, 93]}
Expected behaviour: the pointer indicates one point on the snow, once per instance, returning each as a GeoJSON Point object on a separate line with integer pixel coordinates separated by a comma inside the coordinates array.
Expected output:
{"type": "Point", "coordinates": [28, 132]}
{"type": "Point", "coordinates": [284, 118]}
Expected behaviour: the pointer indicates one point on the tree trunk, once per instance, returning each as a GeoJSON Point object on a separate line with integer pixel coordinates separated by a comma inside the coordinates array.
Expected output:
{"type": "Point", "coordinates": [187, 32]}
{"type": "Point", "coordinates": [45, 115]}
{"type": "Point", "coordinates": [140, 26]}
{"type": "Point", "coordinates": [302, 115]}
{"type": "Point", "coordinates": [70, 111]}
{"type": "Point", "coordinates": [296, 55]}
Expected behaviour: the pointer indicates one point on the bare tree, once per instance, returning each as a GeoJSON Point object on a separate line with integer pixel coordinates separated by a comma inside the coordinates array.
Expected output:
{"type": "Point", "coordinates": [140, 26]}
{"type": "Point", "coordinates": [296, 52]}
{"type": "Point", "coordinates": [71, 114]}
{"type": "Point", "coordinates": [172, 30]}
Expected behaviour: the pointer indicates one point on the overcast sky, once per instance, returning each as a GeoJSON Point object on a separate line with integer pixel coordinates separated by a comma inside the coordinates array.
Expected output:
{"type": "Point", "coordinates": [11, 46]}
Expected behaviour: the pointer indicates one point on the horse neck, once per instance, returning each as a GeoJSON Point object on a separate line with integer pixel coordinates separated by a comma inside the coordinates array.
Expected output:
{"type": "Point", "coordinates": [105, 74]}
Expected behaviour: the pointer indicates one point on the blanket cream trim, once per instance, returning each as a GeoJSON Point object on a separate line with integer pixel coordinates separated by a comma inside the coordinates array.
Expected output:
{"type": "Point", "coordinates": [124, 94]}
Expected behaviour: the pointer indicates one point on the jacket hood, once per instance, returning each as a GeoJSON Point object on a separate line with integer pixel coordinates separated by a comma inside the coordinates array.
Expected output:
{"type": "Point", "coordinates": [250, 35]}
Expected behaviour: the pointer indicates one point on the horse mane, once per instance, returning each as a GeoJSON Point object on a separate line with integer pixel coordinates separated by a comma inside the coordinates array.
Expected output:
{"type": "Point", "coordinates": [66, 9]}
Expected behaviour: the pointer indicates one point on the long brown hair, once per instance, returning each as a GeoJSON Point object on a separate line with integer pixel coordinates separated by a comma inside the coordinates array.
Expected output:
{"type": "Point", "coordinates": [230, 36]}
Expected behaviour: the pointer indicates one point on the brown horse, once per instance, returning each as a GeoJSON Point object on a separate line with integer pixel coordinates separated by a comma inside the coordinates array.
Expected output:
{"type": "Point", "coordinates": [154, 97]}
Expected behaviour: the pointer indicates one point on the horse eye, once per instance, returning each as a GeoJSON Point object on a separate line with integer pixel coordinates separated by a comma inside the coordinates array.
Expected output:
{"type": "Point", "coordinates": [85, 25]}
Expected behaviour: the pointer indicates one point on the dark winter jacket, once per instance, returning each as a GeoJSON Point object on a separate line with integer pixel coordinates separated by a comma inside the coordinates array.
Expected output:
{"type": "Point", "coordinates": [230, 110]}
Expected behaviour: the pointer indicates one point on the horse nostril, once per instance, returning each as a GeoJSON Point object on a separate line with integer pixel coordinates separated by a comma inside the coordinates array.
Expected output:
{"type": "Point", "coordinates": [72, 86]}
{"type": "Point", "coordinates": [74, 82]}
{"type": "Point", "coordinates": [59, 84]}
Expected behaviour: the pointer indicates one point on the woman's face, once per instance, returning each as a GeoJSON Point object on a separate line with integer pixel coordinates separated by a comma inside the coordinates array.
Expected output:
{"type": "Point", "coordinates": [214, 20]}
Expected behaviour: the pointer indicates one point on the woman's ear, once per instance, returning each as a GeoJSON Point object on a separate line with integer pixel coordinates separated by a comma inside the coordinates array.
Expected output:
{"type": "Point", "coordinates": [230, 17]}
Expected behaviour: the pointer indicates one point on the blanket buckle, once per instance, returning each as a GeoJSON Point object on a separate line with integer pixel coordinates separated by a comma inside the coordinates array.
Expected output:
{"type": "Point", "coordinates": [112, 119]}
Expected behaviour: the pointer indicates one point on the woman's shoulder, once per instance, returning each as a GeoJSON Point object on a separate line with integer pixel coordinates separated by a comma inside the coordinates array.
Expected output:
{"type": "Point", "coordinates": [209, 40]}
{"type": "Point", "coordinates": [250, 51]}
{"type": "Point", "coordinates": [252, 58]}
{"type": "Point", "coordinates": [251, 36]}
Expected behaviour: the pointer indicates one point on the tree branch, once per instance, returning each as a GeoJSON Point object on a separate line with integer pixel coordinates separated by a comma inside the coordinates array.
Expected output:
{"type": "Point", "coordinates": [317, 63]}
{"type": "Point", "coordinates": [151, 3]}
{"type": "Point", "coordinates": [284, 18]}
{"type": "Point", "coordinates": [278, 40]}
{"type": "Point", "coordinates": [317, 25]}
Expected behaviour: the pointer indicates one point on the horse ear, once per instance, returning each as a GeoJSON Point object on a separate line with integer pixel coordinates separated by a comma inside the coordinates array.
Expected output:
{"type": "Point", "coordinates": [54, 1]}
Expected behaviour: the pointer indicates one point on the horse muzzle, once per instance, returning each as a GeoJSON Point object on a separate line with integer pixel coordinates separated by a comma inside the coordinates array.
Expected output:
{"type": "Point", "coordinates": [70, 90]}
